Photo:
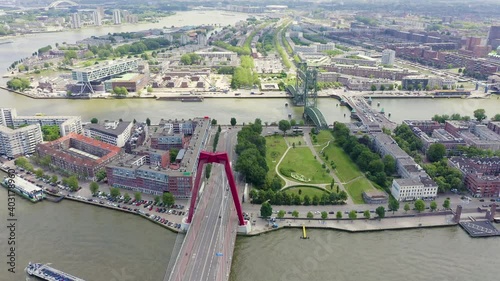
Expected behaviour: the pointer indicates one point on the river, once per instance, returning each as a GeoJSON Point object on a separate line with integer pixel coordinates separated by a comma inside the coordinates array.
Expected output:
{"type": "Point", "coordinates": [99, 244]}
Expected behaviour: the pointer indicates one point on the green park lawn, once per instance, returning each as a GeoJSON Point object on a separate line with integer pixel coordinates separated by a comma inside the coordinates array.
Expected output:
{"type": "Point", "coordinates": [306, 190]}
{"type": "Point", "coordinates": [346, 169]}
{"type": "Point", "coordinates": [324, 136]}
{"type": "Point", "coordinates": [356, 188]}
{"type": "Point", "coordinates": [295, 140]}
{"type": "Point", "coordinates": [302, 161]}
{"type": "Point", "coordinates": [275, 148]}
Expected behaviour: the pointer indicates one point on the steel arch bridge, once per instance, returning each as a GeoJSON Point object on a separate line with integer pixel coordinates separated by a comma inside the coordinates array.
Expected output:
{"type": "Point", "coordinates": [221, 158]}
{"type": "Point", "coordinates": [54, 4]}
{"type": "Point", "coordinates": [305, 94]}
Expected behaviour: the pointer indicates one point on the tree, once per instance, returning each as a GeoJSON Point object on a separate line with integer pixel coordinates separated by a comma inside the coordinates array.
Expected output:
{"type": "Point", "coordinates": [436, 152]}
{"type": "Point", "coordinates": [94, 187]}
{"type": "Point", "coordinates": [114, 192]}
{"type": "Point", "coordinates": [39, 173]}
{"type": "Point", "coordinates": [173, 154]}
{"type": "Point", "coordinates": [393, 204]}
{"type": "Point", "coordinates": [307, 200]}
{"type": "Point", "coordinates": [407, 207]}
{"type": "Point", "coordinates": [156, 199]}
{"type": "Point", "coordinates": [324, 215]}
{"type": "Point", "coordinates": [266, 210]}
{"type": "Point", "coordinates": [72, 182]}
{"type": "Point", "coordinates": [293, 122]}
{"type": "Point", "coordinates": [126, 197]}
{"type": "Point", "coordinates": [373, 88]}
{"type": "Point", "coordinates": [382, 87]}
{"type": "Point", "coordinates": [433, 205]}
{"type": "Point", "coordinates": [353, 215]}
{"type": "Point", "coordinates": [310, 215]}
{"type": "Point", "coordinates": [208, 169]}
{"type": "Point", "coordinates": [339, 215]}
{"type": "Point", "coordinates": [53, 179]}
{"type": "Point", "coordinates": [496, 117]}
{"type": "Point", "coordinates": [315, 200]}
{"type": "Point", "coordinates": [420, 205]}
{"type": "Point", "coordinates": [70, 54]}
{"type": "Point", "coordinates": [281, 214]}
{"type": "Point", "coordinates": [94, 120]}
{"type": "Point", "coordinates": [366, 214]}
{"type": "Point", "coordinates": [479, 114]}
{"type": "Point", "coordinates": [284, 126]}
{"type": "Point", "coordinates": [214, 122]}
{"type": "Point", "coordinates": [168, 199]}
{"type": "Point", "coordinates": [389, 165]}
{"type": "Point", "coordinates": [295, 214]}
{"type": "Point", "coordinates": [380, 211]}
{"type": "Point", "coordinates": [186, 59]}
{"type": "Point", "coordinates": [446, 204]}
{"type": "Point", "coordinates": [100, 175]}
{"type": "Point", "coordinates": [137, 196]}
{"type": "Point", "coordinates": [148, 121]}
{"type": "Point", "coordinates": [233, 121]}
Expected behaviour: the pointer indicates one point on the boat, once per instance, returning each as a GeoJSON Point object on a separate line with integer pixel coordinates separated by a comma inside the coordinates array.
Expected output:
{"type": "Point", "coordinates": [45, 272]}
{"type": "Point", "coordinates": [192, 99]}
{"type": "Point", "coordinates": [6, 42]}
{"type": "Point", "coordinates": [24, 188]}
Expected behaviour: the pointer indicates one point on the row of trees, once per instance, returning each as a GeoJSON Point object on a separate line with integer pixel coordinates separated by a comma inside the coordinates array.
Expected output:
{"type": "Point", "coordinates": [376, 168]}
{"type": "Point", "coordinates": [276, 197]}
{"type": "Point", "coordinates": [408, 141]}
{"type": "Point", "coordinates": [445, 117]}
{"type": "Point", "coordinates": [191, 58]}
{"type": "Point", "coordinates": [445, 176]}
{"type": "Point", "coordinates": [120, 91]}
{"type": "Point", "coordinates": [251, 150]}
{"type": "Point", "coordinates": [50, 133]}
{"type": "Point", "coordinates": [243, 76]}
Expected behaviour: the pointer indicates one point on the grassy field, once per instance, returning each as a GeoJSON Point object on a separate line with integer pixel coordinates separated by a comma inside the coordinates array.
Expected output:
{"type": "Point", "coordinates": [346, 169]}
{"type": "Point", "coordinates": [302, 161]}
{"type": "Point", "coordinates": [295, 140]}
{"type": "Point", "coordinates": [275, 148]}
{"type": "Point", "coordinates": [356, 188]}
{"type": "Point", "coordinates": [306, 190]}
{"type": "Point", "coordinates": [324, 136]}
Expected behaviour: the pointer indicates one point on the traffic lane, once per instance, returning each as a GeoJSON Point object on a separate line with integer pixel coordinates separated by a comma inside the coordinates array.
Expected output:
{"type": "Point", "coordinates": [208, 225]}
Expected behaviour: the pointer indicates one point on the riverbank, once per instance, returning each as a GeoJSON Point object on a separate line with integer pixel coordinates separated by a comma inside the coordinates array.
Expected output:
{"type": "Point", "coordinates": [443, 219]}
{"type": "Point", "coordinates": [174, 230]}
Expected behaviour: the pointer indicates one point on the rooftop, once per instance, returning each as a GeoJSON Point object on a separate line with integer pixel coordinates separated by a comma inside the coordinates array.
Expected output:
{"type": "Point", "coordinates": [113, 128]}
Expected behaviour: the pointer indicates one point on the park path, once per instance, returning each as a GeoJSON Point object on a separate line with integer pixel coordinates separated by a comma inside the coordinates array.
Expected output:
{"type": "Point", "coordinates": [289, 182]}
{"type": "Point", "coordinates": [337, 180]}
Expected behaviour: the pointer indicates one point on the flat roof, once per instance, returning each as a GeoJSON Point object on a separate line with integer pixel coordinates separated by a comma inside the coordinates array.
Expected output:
{"type": "Point", "coordinates": [26, 185]}
{"type": "Point", "coordinates": [114, 132]}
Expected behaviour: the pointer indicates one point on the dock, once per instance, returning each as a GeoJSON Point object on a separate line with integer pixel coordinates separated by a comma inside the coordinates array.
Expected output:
{"type": "Point", "coordinates": [482, 228]}
{"type": "Point", "coordinates": [45, 272]}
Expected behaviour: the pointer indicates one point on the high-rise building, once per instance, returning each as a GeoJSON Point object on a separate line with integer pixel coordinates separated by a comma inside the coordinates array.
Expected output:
{"type": "Point", "coordinates": [494, 36]}
{"type": "Point", "coordinates": [97, 18]}
{"type": "Point", "coordinates": [184, 39]}
{"type": "Point", "coordinates": [388, 57]}
{"type": "Point", "coordinates": [117, 17]}
{"type": "Point", "coordinates": [21, 141]}
{"type": "Point", "coordinates": [75, 21]}
{"type": "Point", "coordinates": [100, 10]}
{"type": "Point", "coordinates": [202, 39]}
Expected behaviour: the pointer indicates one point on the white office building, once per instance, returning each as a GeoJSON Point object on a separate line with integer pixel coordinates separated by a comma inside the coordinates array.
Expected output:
{"type": "Point", "coordinates": [21, 141]}
{"type": "Point", "coordinates": [67, 124]}
{"type": "Point", "coordinates": [75, 21]}
{"type": "Point", "coordinates": [388, 57]}
{"type": "Point", "coordinates": [113, 132]}
{"type": "Point", "coordinates": [409, 189]}
{"type": "Point", "coordinates": [117, 17]}
{"type": "Point", "coordinates": [97, 18]}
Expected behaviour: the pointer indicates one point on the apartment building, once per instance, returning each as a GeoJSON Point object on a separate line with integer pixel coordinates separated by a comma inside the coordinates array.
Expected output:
{"type": "Point", "coordinates": [20, 141]}
{"type": "Point", "coordinates": [481, 175]}
{"type": "Point", "coordinates": [67, 124]}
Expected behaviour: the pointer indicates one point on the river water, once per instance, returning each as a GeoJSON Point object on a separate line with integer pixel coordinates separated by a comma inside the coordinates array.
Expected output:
{"type": "Point", "coordinates": [99, 244]}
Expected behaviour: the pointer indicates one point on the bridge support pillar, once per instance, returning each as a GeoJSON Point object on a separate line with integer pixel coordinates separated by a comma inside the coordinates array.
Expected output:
{"type": "Point", "coordinates": [246, 228]}
{"type": "Point", "coordinates": [184, 224]}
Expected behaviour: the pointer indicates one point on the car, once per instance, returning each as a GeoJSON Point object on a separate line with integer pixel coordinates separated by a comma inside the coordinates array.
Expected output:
{"type": "Point", "coordinates": [331, 212]}
{"type": "Point", "coordinates": [492, 200]}
{"type": "Point", "coordinates": [481, 200]}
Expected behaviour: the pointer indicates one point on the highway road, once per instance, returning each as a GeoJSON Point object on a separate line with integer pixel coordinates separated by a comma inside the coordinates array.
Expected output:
{"type": "Point", "coordinates": [206, 253]}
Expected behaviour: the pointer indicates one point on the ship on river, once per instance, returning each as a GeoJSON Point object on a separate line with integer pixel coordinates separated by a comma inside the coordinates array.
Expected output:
{"type": "Point", "coordinates": [45, 272]}
{"type": "Point", "coordinates": [24, 188]}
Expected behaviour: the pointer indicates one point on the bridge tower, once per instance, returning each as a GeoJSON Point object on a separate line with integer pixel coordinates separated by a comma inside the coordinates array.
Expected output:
{"type": "Point", "coordinates": [307, 94]}
{"type": "Point", "coordinates": [221, 158]}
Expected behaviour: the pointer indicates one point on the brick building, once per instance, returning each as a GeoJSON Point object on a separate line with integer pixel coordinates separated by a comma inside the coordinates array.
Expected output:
{"type": "Point", "coordinates": [78, 154]}
{"type": "Point", "coordinates": [481, 175]}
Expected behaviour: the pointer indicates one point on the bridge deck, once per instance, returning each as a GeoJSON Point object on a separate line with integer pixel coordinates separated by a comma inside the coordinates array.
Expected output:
{"type": "Point", "coordinates": [316, 116]}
